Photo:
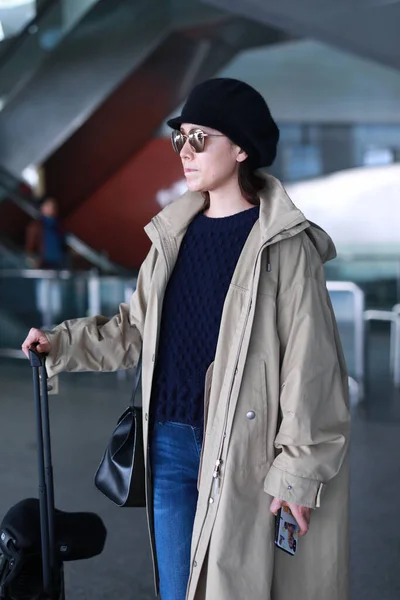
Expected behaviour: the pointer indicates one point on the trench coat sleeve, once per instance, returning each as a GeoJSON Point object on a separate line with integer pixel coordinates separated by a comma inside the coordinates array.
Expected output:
{"type": "Point", "coordinates": [102, 344]}
{"type": "Point", "coordinates": [312, 439]}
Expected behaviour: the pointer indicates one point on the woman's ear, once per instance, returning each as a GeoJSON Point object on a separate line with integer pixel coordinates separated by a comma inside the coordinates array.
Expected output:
{"type": "Point", "coordinates": [241, 156]}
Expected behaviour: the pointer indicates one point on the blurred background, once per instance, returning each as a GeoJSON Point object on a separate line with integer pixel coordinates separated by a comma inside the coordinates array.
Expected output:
{"type": "Point", "coordinates": [85, 162]}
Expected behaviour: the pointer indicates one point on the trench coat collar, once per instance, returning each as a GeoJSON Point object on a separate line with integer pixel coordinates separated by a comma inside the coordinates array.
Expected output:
{"type": "Point", "coordinates": [277, 212]}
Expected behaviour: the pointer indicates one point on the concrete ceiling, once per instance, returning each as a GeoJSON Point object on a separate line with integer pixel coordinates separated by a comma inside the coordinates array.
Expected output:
{"type": "Point", "coordinates": [369, 28]}
{"type": "Point", "coordinates": [307, 81]}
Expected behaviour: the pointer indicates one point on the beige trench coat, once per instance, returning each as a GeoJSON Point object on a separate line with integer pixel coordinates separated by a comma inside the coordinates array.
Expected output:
{"type": "Point", "coordinates": [278, 355]}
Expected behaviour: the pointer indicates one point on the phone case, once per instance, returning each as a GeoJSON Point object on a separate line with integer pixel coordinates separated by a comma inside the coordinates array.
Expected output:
{"type": "Point", "coordinates": [287, 531]}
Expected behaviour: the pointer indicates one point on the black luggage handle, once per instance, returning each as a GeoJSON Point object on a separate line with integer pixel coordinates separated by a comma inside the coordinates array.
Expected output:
{"type": "Point", "coordinates": [45, 469]}
{"type": "Point", "coordinates": [37, 359]}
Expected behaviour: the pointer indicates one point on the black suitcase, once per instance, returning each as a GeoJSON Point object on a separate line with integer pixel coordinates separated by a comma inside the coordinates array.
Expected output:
{"type": "Point", "coordinates": [36, 538]}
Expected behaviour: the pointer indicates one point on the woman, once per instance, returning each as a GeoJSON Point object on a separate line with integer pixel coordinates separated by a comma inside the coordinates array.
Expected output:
{"type": "Point", "coordinates": [248, 396]}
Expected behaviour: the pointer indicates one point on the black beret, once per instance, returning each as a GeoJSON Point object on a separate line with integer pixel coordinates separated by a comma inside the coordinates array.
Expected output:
{"type": "Point", "coordinates": [238, 111]}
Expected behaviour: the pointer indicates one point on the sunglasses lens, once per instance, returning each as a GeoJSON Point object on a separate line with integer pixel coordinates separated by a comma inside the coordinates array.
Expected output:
{"type": "Point", "coordinates": [196, 140]}
{"type": "Point", "coordinates": [178, 141]}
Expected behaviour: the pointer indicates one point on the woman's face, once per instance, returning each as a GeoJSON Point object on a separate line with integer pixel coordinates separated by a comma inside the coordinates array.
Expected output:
{"type": "Point", "coordinates": [213, 168]}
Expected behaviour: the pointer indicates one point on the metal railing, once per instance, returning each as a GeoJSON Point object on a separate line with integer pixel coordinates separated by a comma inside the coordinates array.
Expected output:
{"type": "Point", "coordinates": [392, 317]}
{"type": "Point", "coordinates": [352, 323]}
{"type": "Point", "coordinates": [361, 339]}
{"type": "Point", "coordinates": [378, 275]}
{"type": "Point", "coordinates": [395, 346]}
{"type": "Point", "coordinates": [358, 334]}
{"type": "Point", "coordinates": [52, 296]}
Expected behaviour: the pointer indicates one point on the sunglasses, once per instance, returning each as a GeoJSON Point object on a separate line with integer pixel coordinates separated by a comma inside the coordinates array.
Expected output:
{"type": "Point", "coordinates": [196, 138]}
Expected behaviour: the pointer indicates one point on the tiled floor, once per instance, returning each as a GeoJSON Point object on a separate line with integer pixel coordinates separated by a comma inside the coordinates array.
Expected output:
{"type": "Point", "coordinates": [82, 418]}
{"type": "Point", "coordinates": [375, 484]}
{"type": "Point", "coordinates": [83, 415]}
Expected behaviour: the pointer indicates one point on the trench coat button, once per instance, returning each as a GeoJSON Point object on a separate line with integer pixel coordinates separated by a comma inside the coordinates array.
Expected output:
{"type": "Point", "coordinates": [195, 564]}
{"type": "Point", "coordinates": [153, 357]}
{"type": "Point", "coordinates": [251, 414]}
{"type": "Point", "coordinates": [146, 416]}
{"type": "Point", "coordinates": [289, 487]}
{"type": "Point", "coordinates": [211, 500]}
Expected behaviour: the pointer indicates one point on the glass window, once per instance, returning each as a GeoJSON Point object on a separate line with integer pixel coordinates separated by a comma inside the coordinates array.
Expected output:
{"type": "Point", "coordinates": [301, 161]}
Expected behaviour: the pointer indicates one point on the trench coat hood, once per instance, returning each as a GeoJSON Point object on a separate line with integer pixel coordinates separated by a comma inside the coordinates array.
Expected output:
{"type": "Point", "coordinates": [278, 214]}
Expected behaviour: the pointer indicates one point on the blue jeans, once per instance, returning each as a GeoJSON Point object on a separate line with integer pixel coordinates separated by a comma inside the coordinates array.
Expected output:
{"type": "Point", "coordinates": [175, 458]}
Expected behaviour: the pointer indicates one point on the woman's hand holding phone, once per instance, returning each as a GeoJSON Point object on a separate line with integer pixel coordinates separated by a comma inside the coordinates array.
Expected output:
{"type": "Point", "coordinates": [302, 514]}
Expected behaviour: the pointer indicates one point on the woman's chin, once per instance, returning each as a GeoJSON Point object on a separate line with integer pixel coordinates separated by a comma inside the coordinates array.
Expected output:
{"type": "Point", "coordinates": [194, 186]}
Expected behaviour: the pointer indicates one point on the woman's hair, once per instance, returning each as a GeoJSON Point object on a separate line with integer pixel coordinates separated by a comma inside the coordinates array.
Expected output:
{"type": "Point", "coordinates": [250, 185]}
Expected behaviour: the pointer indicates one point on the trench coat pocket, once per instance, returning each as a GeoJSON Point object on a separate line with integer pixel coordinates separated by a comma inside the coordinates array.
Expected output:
{"type": "Point", "coordinates": [263, 399]}
{"type": "Point", "coordinates": [207, 390]}
{"type": "Point", "coordinates": [250, 422]}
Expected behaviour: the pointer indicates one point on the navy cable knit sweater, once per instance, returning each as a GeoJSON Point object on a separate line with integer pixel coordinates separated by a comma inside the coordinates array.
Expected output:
{"type": "Point", "coordinates": [192, 311]}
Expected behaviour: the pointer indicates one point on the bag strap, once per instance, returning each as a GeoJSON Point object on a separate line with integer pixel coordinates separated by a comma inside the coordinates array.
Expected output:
{"type": "Point", "coordinates": [136, 380]}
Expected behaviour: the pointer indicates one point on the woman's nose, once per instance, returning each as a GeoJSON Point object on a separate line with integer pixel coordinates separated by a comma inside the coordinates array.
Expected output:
{"type": "Point", "coordinates": [187, 150]}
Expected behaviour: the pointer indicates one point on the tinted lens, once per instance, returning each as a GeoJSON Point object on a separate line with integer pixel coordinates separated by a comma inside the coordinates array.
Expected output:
{"type": "Point", "coordinates": [178, 141]}
{"type": "Point", "coordinates": [196, 140]}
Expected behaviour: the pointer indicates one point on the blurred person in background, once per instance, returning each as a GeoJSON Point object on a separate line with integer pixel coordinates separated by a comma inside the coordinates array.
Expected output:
{"type": "Point", "coordinates": [244, 386]}
{"type": "Point", "coordinates": [46, 248]}
{"type": "Point", "coordinates": [45, 239]}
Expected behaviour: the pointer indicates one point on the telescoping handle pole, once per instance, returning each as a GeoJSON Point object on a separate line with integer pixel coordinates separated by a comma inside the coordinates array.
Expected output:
{"type": "Point", "coordinates": [45, 472]}
{"type": "Point", "coordinates": [48, 464]}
